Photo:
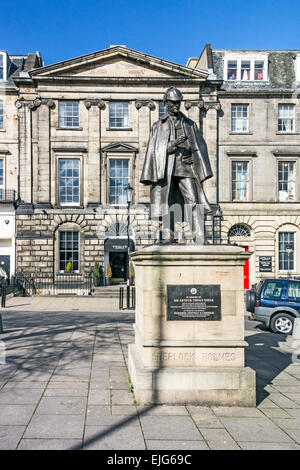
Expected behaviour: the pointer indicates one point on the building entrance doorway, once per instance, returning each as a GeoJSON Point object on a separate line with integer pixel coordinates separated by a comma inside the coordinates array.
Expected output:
{"type": "Point", "coordinates": [246, 270]}
{"type": "Point", "coordinates": [118, 263]}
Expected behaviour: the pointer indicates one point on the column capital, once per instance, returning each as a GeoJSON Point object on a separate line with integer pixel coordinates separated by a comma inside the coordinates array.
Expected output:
{"type": "Point", "coordinates": [212, 105]}
{"type": "Point", "coordinates": [198, 103]}
{"type": "Point", "coordinates": [34, 104]}
{"type": "Point", "coordinates": [140, 103]}
{"type": "Point", "coordinates": [94, 102]}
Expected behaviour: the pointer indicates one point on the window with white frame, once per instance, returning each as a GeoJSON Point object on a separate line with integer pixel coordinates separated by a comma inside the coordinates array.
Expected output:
{"type": "Point", "coordinates": [1, 114]}
{"type": "Point", "coordinates": [245, 69]}
{"type": "Point", "coordinates": [286, 251]}
{"type": "Point", "coordinates": [69, 181]}
{"type": "Point", "coordinates": [1, 177]}
{"type": "Point", "coordinates": [162, 108]}
{"type": "Point", "coordinates": [118, 180]}
{"type": "Point", "coordinates": [286, 181]}
{"type": "Point", "coordinates": [118, 114]}
{"type": "Point", "coordinates": [68, 114]}
{"type": "Point", "coordinates": [239, 117]}
{"type": "Point", "coordinates": [240, 181]}
{"type": "Point", "coordinates": [232, 70]}
{"type": "Point", "coordinates": [286, 117]}
{"type": "Point", "coordinates": [69, 252]}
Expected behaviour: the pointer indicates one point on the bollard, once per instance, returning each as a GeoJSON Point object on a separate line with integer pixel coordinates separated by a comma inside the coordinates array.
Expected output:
{"type": "Point", "coordinates": [1, 324]}
{"type": "Point", "coordinates": [121, 296]}
{"type": "Point", "coordinates": [296, 329]}
{"type": "Point", "coordinates": [3, 296]}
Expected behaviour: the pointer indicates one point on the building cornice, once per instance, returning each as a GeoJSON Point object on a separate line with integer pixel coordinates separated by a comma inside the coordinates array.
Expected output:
{"type": "Point", "coordinates": [115, 80]}
{"type": "Point", "coordinates": [257, 93]}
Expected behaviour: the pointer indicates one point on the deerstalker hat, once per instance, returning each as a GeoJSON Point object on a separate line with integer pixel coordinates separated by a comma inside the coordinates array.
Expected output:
{"type": "Point", "coordinates": [172, 94]}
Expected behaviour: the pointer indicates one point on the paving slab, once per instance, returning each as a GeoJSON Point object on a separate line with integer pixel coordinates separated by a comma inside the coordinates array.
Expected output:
{"type": "Point", "coordinates": [169, 427]}
{"type": "Point", "coordinates": [268, 446]}
{"type": "Point", "coordinates": [207, 421]}
{"type": "Point", "coordinates": [176, 445]}
{"type": "Point", "coordinates": [283, 401]}
{"type": "Point", "coordinates": [61, 405]}
{"type": "Point", "coordinates": [124, 410]}
{"type": "Point", "coordinates": [219, 439]}
{"type": "Point", "coordinates": [285, 424]}
{"type": "Point", "coordinates": [100, 415]}
{"type": "Point", "coordinates": [99, 397]}
{"type": "Point", "coordinates": [267, 403]}
{"type": "Point", "coordinates": [109, 438]}
{"type": "Point", "coordinates": [50, 444]}
{"type": "Point", "coordinates": [163, 410]}
{"type": "Point", "coordinates": [16, 415]}
{"type": "Point", "coordinates": [276, 413]}
{"type": "Point", "coordinates": [10, 436]}
{"type": "Point", "coordinates": [294, 434]}
{"type": "Point", "coordinates": [18, 396]}
{"type": "Point", "coordinates": [294, 413]}
{"type": "Point", "coordinates": [55, 427]}
{"type": "Point", "coordinates": [254, 430]}
{"type": "Point", "coordinates": [13, 384]}
{"type": "Point", "coordinates": [122, 397]}
{"type": "Point", "coordinates": [236, 411]}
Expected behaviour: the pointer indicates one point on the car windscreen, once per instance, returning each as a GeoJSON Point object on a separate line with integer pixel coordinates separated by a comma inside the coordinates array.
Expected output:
{"type": "Point", "coordinates": [273, 290]}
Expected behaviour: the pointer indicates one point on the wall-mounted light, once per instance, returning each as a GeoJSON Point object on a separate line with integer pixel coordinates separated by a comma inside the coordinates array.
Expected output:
{"type": "Point", "coordinates": [7, 222]}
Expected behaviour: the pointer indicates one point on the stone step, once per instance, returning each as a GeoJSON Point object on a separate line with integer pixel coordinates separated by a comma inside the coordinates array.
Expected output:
{"type": "Point", "coordinates": [107, 291]}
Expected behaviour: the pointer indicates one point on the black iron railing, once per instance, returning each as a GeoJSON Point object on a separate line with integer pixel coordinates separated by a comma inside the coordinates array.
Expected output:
{"type": "Point", "coordinates": [8, 195]}
{"type": "Point", "coordinates": [58, 284]}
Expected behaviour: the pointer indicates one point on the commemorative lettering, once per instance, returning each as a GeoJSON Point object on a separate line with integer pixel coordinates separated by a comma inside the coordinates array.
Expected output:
{"type": "Point", "coordinates": [194, 302]}
{"type": "Point", "coordinates": [191, 357]}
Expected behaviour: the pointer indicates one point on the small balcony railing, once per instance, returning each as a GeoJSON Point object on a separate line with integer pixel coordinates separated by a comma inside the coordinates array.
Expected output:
{"type": "Point", "coordinates": [8, 195]}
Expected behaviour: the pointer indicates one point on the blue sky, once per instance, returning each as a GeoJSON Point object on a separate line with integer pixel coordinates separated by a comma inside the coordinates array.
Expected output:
{"type": "Point", "coordinates": [171, 29]}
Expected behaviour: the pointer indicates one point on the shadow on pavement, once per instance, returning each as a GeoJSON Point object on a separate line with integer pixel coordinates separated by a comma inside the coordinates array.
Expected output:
{"type": "Point", "coordinates": [264, 356]}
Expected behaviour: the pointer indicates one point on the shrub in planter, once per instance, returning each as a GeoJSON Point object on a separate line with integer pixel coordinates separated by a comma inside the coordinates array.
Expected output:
{"type": "Point", "coordinates": [108, 274]}
{"type": "Point", "coordinates": [131, 273]}
{"type": "Point", "coordinates": [96, 274]}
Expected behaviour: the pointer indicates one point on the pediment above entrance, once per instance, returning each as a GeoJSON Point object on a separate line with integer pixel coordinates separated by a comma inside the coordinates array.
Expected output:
{"type": "Point", "coordinates": [118, 62]}
{"type": "Point", "coordinates": [119, 147]}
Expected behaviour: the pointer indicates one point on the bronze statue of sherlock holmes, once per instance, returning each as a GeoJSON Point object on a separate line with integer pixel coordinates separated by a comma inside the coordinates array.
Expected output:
{"type": "Point", "coordinates": [176, 164]}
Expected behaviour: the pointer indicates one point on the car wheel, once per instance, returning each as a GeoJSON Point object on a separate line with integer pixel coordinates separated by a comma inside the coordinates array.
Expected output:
{"type": "Point", "coordinates": [250, 301]}
{"type": "Point", "coordinates": [282, 323]}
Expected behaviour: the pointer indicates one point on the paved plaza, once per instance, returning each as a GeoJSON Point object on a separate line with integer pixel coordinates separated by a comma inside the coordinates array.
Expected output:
{"type": "Point", "coordinates": [64, 385]}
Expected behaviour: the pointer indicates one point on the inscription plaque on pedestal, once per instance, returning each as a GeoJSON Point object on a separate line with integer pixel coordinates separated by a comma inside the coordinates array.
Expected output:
{"type": "Point", "coordinates": [194, 302]}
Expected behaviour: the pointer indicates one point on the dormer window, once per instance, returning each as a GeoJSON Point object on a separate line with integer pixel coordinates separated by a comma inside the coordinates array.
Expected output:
{"type": "Point", "coordinates": [245, 69]}
{"type": "Point", "coordinates": [232, 70]}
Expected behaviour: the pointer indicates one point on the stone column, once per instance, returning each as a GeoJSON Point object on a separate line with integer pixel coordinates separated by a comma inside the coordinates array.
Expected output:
{"type": "Point", "coordinates": [25, 152]}
{"type": "Point", "coordinates": [193, 108]}
{"type": "Point", "coordinates": [144, 107]}
{"type": "Point", "coordinates": [44, 153]}
{"type": "Point", "coordinates": [210, 134]}
{"type": "Point", "coordinates": [93, 167]}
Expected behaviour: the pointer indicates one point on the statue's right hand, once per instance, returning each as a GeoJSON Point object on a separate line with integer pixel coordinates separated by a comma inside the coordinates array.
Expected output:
{"type": "Point", "coordinates": [180, 139]}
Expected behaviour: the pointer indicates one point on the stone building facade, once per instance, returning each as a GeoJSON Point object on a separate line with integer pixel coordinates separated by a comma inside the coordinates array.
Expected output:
{"type": "Point", "coordinates": [78, 134]}
{"type": "Point", "coordinates": [84, 126]}
{"type": "Point", "coordinates": [11, 66]}
{"type": "Point", "coordinates": [258, 155]}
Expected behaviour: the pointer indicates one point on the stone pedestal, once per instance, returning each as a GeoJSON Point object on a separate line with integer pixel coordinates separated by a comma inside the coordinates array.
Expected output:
{"type": "Point", "coordinates": [180, 359]}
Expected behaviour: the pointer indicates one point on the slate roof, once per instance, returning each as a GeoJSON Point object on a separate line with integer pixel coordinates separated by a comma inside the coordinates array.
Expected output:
{"type": "Point", "coordinates": [21, 63]}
